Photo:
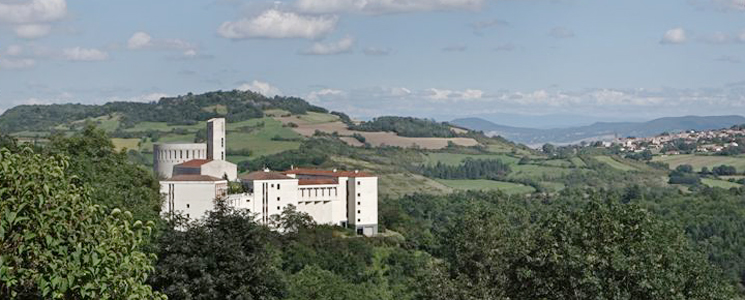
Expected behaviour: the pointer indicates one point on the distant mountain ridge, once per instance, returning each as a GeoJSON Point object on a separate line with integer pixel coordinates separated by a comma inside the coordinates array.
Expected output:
{"type": "Point", "coordinates": [599, 130]}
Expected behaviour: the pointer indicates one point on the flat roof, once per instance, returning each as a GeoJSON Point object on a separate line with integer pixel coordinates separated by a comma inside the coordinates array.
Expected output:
{"type": "Point", "coordinates": [194, 178]}
{"type": "Point", "coordinates": [263, 175]}
{"type": "Point", "coordinates": [317, 172]}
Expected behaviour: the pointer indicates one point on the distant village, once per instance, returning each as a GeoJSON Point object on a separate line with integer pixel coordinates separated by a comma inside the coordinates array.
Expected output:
{"type": "Point", "coordinates": [722, 141]}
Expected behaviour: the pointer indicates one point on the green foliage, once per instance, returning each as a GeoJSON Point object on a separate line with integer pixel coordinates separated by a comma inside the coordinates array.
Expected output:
{"type": "Point", "coordinates": [225, 256]}
{"type": "Point", "coordinates": [602, 250]}
{"type": "Point", "coordinates": [724, 170]}
{"type": "Point", "coordinates": [115, 180]}
{"type": "Point", "coordinates": [406, 126]}
{"type": "Point", "coordinates": [492, 169]}
{"type": "Point", "coordinates": [56, 244]}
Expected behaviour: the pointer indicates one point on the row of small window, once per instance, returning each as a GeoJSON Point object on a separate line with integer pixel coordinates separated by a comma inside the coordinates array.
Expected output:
{"type": "Point", "coordinates": [277, 185]}
{"type": "Point", "coordinates": [174, 154]}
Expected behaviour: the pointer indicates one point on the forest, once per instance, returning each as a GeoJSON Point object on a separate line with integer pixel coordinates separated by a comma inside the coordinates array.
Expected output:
{"type": "Point", "coordinates": [407, 126]}
{"type": "Point", "coordinates": [182, 110]}
{"type": "Point", "coordinates": [84, 224]}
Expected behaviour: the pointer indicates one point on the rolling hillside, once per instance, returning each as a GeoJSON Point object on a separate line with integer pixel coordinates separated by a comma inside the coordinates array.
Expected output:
{"type": "Point", "coordinates": [599, 130]}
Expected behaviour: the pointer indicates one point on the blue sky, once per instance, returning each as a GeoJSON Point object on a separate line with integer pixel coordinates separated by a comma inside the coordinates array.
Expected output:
{"type": "Point", "coordinates": [583, 60]}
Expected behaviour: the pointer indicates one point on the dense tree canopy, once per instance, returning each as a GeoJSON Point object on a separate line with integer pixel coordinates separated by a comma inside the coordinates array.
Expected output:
{"type": "Point", "coordinates": [55, 243]}
{"type": "Point", "coordinates": [116, 182]}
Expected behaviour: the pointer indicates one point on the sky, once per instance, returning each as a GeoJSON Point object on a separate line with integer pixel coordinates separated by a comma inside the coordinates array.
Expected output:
{"type": "Point", "coordinates": [545, 62]}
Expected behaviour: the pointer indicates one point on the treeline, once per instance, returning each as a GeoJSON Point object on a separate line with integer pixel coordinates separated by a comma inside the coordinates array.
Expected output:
{"type": "Point", "coordinates": [182, 110]}
{"type": "Point", "coordinates": [407, 126]}
{"type": "Point", "coordinates": [491, 169]}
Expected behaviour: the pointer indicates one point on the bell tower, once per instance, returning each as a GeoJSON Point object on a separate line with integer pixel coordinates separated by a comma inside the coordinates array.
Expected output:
{"type": "Point", "coordinates": [216, 139]}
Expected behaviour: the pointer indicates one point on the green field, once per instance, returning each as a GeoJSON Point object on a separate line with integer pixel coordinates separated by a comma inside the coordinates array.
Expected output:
{"type": "Point", "coordinates": [578, 162]}
{"type": "Point", "coordinates": [316, 118]}
{"type": "Point", "coordinates": [537, 172]}
{"type": "Point", "coordinates": [120, 144]}
{"type": "Point", "coordinates": [719, 183]}
{"type": "Point", "coordinates": [454, 159]}
{"type": "Point", "coordinates": [165, 127]}
{"type": "Point", "coordinates": [260, 141]}
{"type": "Point", "coordinates": [614, 163]}
{"type": "Point", "coordinates": [699, 161]}
{"type": "Point", "coordinates": [481, 184]}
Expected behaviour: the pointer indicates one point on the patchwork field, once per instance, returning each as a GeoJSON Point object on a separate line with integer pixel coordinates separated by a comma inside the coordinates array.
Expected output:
{"type": "Point", "coordinates": [479, 184]}
{"type": "Point", "coordinates": [699, 161]}
{"type": "Point", "coordinates": [308, 124]}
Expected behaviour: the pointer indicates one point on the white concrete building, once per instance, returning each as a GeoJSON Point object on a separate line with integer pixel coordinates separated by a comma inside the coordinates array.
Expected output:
{"type": "Point", "coordinates": [216, 139]}
{"type": "Point", "coordinates": [347, 199]}
{"type": "Point", "coordinates": [199, 175]}
{"type": "Point", "coordinates": [192, 195]}
{"type": "Point", "coordinates": [171, 160]}
{"type": "Point", "coordinates": [166, 156]}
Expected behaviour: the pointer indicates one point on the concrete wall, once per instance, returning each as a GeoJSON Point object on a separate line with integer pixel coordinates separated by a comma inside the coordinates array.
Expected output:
{"type": "Point", "coordinates": [220, 168]}
{"type": "Point", "coordinates": [362, 204]}
{"type": "Point", "coordinates": [216, 142]}
{"type": "Point", "coordinates": [166, 156]}
{"type": "Point", "coordinates": [191, 198]}
{"type": "Point", "coordinates": [272, 196]}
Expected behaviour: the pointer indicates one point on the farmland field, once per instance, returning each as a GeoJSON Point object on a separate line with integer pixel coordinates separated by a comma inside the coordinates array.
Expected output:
{"type": "Point", "coordinates": [454, 159]}
{"type": "Point", "coordinates": [719, 183]}
{"type": "Point", "coordinates": [120, 144]}
{"type": "Point", "coordinates": [614, 163]}
{"type": "Point", "coordinates": [699, 161]}
{"type": "Point", "coordinates": [481, 184]}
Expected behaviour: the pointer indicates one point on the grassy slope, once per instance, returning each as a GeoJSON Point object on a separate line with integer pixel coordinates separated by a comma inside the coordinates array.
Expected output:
{"type": "Point", "coordinates": [507, 187]}
{"type": "Point", "coordinates": [699, 161]}
{"type": "Point", "coordinates": [615, 163]}
{"type": "Point", "coordinates": [719, 183]}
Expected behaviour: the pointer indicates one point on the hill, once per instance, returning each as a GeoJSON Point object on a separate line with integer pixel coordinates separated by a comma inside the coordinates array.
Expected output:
{"type": "Point", "coordinates": [599, 130]}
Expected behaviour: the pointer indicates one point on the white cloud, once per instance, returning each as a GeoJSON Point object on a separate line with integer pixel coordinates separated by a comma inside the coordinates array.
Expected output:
{"type": "Point", "coordinates": [260, 87]}
{"type": "Point", "coordinates": [561, 33]}
{"type": "Point", "coordinates": [14, 50]}
{"type": "Point", "coordinates": [84, 54]}
{"type": "Point", "coordinates": [32, 31]}
{"type": "Point", "coordinates": [341, 46]}
{"type": "Point", "coordinates": [16, 64]}
{"type": "Point", "coordinates": [142, 40]}
{"type": "Point", "coordinates": [316, 95]}
{"type": "Point", "coordinates": [276, 24]}
{"type": "Point", "coordinates": [139, 40]}
{"type": "Point", "coordinates": [472, 94]}
{"type": "Point", "coordinates": [443, 94]}
{"type": "Point", "coordinates": [385, 6]}
{"type": "Point", "coordinates": [34, 11]}
{"type": "Point", "coordinates": [735, 5]}
{"type": "Point", "coordinates": [674, 36]}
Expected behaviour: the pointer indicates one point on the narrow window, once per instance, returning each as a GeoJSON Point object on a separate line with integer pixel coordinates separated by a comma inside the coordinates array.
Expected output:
{"type": "Point", "coordinates": [359, 211]}
{"type": "Point", "coordinates": [187, 216]}
{"type": "Point", "coordinates": [358, 194]}
{"type": "Point", "coordinates": [187, 206]}
{"type": "Point", "coordinates": [277, 198]}
{"type": "Point", "coordinates": [278, 208]}
{"type": "Point", "coordinates": [358, 203]}
{"type": "Point", "coordinates": [181, 154]}
{"type": "Point", "coordinates": [358, 183]}
{"type": "Point", "coordinates": [222, 142]}
{"type": "Point", "coordinates": [359, 220]}
{"type": "Point", "coordinates": [277, 185]}
{"type": "Point", "coordinates": [272, 185]}
{"type": "Point", "coordinates": [187, 154]}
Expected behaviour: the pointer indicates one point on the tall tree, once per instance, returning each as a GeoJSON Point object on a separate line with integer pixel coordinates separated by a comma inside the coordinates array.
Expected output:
{"type": "Point", "coordinates": [56, 244]}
